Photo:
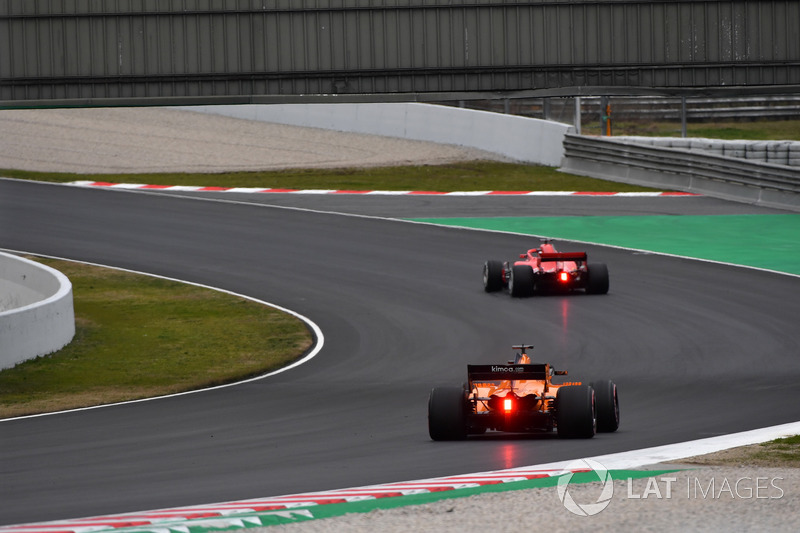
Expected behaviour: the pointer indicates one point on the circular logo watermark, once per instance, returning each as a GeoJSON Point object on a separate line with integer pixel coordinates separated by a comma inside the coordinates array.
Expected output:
{"type": "Point", "coordinates": [606, 493]}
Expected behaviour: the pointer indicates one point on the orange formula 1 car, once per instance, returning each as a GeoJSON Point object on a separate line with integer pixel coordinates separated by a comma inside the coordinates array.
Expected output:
{"type": "Point", "coordinates": [543, 270]}
{"type": "Point", "coordinates": [520, 397]}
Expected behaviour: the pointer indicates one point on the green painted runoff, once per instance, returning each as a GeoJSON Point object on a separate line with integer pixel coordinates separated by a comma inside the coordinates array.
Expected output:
{"type": "Point", "coordinates": [770, 242]}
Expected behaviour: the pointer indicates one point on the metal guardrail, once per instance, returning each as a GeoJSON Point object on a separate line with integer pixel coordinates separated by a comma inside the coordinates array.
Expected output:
{"type": "Point", "coordinates": [646, 108]}
{"type": "Point", "coordinates": [698, 109]}
{"type": "Point", "coordinates": [685, 170]}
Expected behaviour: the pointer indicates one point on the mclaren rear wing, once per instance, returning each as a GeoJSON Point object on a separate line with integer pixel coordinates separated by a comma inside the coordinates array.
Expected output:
{"type": "Point", "coordinates": [564, 256]}
{"type": "Point", "coordinates": [506, 372]}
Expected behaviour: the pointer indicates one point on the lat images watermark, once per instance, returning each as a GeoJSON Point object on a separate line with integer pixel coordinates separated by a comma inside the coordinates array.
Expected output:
{"type": "Point", "coordinates": [742, 488]}
{"type": "Point", "coordinates": [662, 488]}
{"type": "Point", "coordinates": [606, 491]}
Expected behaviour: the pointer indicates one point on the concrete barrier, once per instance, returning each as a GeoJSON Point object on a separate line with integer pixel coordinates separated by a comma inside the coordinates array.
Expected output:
{"type": "Point", "coordinates": [36, 313]}
{"type": "Point", "coordinates": [522, 139]}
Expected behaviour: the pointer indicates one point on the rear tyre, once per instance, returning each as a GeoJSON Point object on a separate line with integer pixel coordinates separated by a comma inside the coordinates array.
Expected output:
{"type": "Point", "coordinates": [598, 278]}
{"type": "Point", "coordinates": [605, 392]}
{"type": "Point", "coordinates": [447, 414]}
{"type": "Point", "coordinates": [576, 412]}
{"type": "Point", "coordinates": [492, 276]}
{"type": "Point", "coordinates": [522, 281]}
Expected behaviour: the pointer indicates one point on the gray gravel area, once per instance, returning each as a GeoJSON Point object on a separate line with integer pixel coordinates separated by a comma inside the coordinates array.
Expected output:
{"type": "Point", "coordinates": [143, 140]}
{"type": "Point", "coordinates": [138, 140]}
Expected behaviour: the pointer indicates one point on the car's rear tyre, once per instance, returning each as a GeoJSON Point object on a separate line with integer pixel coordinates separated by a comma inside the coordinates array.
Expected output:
{"type": "Point", "coordinates": [492, 276]}
{"type": "Point", "coordinates": [605, 392]}
{"type": "Point", "coordinates": [522, 282]}
{"type": "Point", "coordinates": [447, 413]}
{"type": "Point", "coordinates": [598, 278]}
{"type": "Point", "coordinates": [576, 412]}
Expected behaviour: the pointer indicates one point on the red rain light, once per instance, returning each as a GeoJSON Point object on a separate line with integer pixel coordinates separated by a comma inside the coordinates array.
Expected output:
{"type": "Point", "coordinates": [563, 276]}
{"type": "Point", "coordinates": [508, 405]}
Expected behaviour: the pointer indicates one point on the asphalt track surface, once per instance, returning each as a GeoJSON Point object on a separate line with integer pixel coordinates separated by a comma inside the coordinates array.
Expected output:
{"type": "Point", "coordinates": [697, 349]}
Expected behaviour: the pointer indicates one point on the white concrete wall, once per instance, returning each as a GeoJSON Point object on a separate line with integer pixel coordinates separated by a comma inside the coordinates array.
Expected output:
{"type": "Point", "coordinates": [36, 313]}
{"type": "Point", "coordinates": [522, 139]}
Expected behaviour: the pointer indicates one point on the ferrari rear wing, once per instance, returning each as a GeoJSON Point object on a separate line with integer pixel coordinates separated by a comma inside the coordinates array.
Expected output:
{"type": "Point", "coordinates": [563, 256]}
{"type": "Point", "coordinates": [504, 372]}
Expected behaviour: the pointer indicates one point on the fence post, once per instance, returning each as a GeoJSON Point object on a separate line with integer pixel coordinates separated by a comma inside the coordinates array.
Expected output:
{"type": "Point", "coordinates": [605, 116]}
{"type": "Point", "coordinates": [683, 116]}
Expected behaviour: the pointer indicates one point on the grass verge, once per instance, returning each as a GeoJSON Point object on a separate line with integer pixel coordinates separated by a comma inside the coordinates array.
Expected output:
{"type": "Point", "coordinates": [139, 336]}
{"type": "Point", "coordinates": [776, 453]}
{"type": "Point", "coordinates": [467, 176]}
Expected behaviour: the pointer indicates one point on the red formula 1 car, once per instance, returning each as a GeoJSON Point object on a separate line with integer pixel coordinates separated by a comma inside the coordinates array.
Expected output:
{"type": "Point", "coordinates": [520, 397]}
{"type": "Point", "coordinates": [543, 270]}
